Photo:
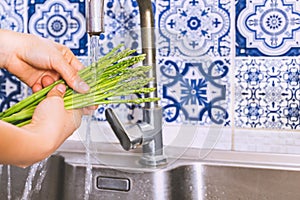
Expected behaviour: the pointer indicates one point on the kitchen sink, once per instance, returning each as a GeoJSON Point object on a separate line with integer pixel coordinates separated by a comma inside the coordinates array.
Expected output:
{"type": "Point", "coordinates": [189, 174]}
{"type": "Point", "coordinates": [209, 181]}
{"type": "Point", "coordinates": [44, 182]}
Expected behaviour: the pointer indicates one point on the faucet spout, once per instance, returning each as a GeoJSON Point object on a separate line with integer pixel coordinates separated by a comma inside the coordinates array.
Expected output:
{"type": "Point", "coordinates": [148, 43]}
{"type": "Point", "coordinates": [149, 132]}
{"type": "Point", "coordinates": [152, 113]}
{"type": "Point", "coordinates": [95, 16]}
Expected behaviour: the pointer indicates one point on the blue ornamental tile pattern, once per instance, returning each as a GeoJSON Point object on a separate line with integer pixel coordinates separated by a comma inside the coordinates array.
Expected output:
{"type": "Point", "coordinates": [204, 76]}
{"type": "Point", "coordinates": [127, 113]}
{"type": "Point", "coordinates": [194, 28]}
{"type": "Point", "coordinates": [11, 18]}
{"type": "Point", "coordinates": [11, 15]}
{"type": "Point", "coordinates": [121, 25]}
{"type": "Point", "coordinates": [195, 91]}
{"type": "Point", "coordinates": [267, 28]}
{"type": "Point", "coordinates": [60, 20]}
{"type": "Point", "coordinates": [11, 90]}
{"type": "Point", "coordinates": [267, 93]}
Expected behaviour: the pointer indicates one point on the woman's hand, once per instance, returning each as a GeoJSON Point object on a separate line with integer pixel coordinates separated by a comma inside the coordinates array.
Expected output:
{"type": "Point", "coordinates": [52, 122]}
{"type": "Point", "coordinates": [38, 61]}
{"type": "Point", "coordinates": [51, 125]}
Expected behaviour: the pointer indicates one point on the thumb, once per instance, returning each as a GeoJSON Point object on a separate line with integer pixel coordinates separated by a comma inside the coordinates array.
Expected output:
{"type": "Point", "coordinates": [59, 90]}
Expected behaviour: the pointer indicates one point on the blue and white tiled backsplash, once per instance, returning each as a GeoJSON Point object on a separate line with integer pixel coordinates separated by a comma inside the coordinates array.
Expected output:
{"type": "Point", "coordinates": [221, 62]}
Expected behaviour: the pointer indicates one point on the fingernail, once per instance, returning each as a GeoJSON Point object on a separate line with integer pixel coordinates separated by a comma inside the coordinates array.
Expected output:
{"type": "Point", "coordinates": [84, 87]}
{"type": "Point", "coordinates": [61, 88]}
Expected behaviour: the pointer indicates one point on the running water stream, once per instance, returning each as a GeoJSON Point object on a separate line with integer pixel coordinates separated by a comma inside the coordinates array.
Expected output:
{"type": "Point", "coordinates": [36, 169]}
{"type": "Point", "coordinates": [93, 57]}
{"type": "Point", "coordinates": [88, 173]}
{"type": "Point", "coordinates": [1, 167]}
{"type": "Point", "coordinates": [8, 183]}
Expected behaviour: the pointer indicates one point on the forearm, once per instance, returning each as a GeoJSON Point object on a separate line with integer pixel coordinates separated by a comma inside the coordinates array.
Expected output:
{"type": "Point", "coordinates": [21, 147]}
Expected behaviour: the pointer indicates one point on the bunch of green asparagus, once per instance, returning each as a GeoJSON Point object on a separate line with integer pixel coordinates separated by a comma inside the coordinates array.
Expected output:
{"type": "Point", "coordinates": [110, 77]}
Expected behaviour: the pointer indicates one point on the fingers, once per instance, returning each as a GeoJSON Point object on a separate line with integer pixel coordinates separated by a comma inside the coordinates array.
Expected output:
{"type": "Point", "coordinates": [59, 90]}
{"type": "Point", "coordinates": [47, 80]}
{"type": "Point", "coordinates": [60, 59]}
{"type": "Point", "coordinates": [69, 56]}
{"type": "Point", "coordinates": [68, 72]}
{"type": "Point", "coordinates": [33, 56]}
{"type": "Point", "coordinates": [36, 87]}
{"type": "Point", "coordinates": [72, 79]}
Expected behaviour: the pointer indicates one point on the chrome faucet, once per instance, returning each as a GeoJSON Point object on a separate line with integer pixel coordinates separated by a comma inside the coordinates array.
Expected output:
{"type": "Point", "coordinates": [94, 16]}
{"type": "Point", "coordinates": [148, 133]}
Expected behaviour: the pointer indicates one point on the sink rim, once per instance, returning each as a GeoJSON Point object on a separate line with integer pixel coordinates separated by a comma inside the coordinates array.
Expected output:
{"type": "Point", "coordinates": [177, 157]}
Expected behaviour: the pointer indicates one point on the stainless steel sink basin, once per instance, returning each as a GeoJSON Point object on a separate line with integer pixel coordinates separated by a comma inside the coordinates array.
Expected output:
{"type": "Point", "coordinates": [189, 174]}
{"type": "Point", "coordinates": [46, 182]}
{"type": "Point", "coordinates": [217, 175]}
{"type": "Point", "coordinates": [208, 181]}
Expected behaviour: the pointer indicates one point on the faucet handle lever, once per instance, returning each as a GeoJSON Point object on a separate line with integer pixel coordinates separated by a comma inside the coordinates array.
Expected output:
{"type": "Point", "coordinates": [121, 133]}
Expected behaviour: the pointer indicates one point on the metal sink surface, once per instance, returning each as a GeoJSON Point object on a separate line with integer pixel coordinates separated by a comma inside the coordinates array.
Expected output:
{"type": "Point", "coordinates": [189, 174]}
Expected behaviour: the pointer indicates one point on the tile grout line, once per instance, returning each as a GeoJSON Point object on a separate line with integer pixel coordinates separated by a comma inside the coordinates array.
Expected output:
{"type": "Point", "coordinates": [232, 75]}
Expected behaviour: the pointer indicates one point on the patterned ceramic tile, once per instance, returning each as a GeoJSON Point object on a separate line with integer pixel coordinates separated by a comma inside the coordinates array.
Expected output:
{"type": "Point", "coordinates": [127, 113]}
{"type": "Point", "coordinates": [121, 25]}
{"type": "Point", "coordinates": [11, 15]}
{"type": "Point", "coordinates": [11, 90]}
{"type": "Point", "coordinates": [267, 93]}
{"type": "Point", "coordinates": [194, 42]}
{"type": "Point", "coordinates": [60, 20]}
{"type": "Point", "coordinates": [194, 87]}
{"type": "Point", "coordinates": [195, 90]}
{"type": "Point", "coordinates": [267, 27]}
{"type": "Point", "coordinates": [193, 28]}
{"type": "Point", "coordinates": [11, 18]}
